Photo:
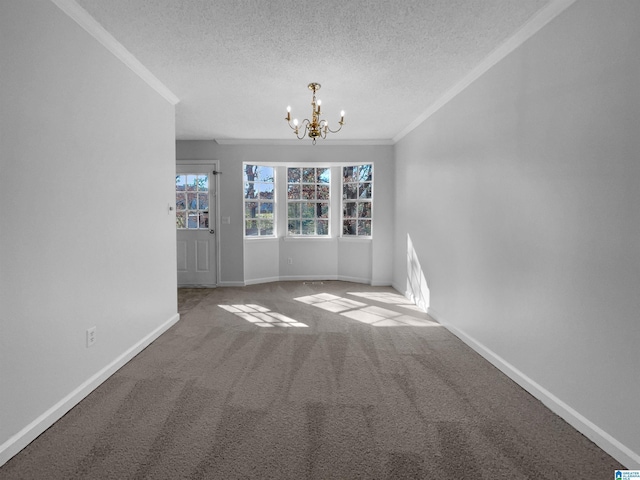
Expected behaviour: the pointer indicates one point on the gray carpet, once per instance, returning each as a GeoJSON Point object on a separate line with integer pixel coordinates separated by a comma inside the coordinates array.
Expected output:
{"type": "Point", "coordinates": [290, 380]}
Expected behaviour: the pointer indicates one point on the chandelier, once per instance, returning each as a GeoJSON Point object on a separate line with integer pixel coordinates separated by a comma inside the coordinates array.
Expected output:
{"type": "Point", "coordinates": [315, 127]}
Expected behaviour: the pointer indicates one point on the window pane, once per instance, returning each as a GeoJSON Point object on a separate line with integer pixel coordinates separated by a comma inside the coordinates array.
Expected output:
{"type": "Point", "coordinates": [265, 174]}
{"type": "Point", "coordinates": [364, 191]}
{"type": "Point", "coordinates": [308, 227]}
{"type": "Point", "coordinates": [350, 191]}
{"type": "Point", "coordinates": [192, 183]}
{"type": "Point", "coordinates": [294, 210]}
{"type": "Point", "coordinates": [294, 227]}
{"type": "Point", "coordinates": [266, 227]}
{"type": "Point", "coordinates": [265, 190]}
{"type": "Point", "coordinates": [204, 220]}
{"type": "Point", "coordinates": [347, 174]}
{"type": "Point", "coordinates": [293, 175]}
{"type": "Point", "coordinates": [349, 227]}
{"type": "Point", "coordinates": [323, 227]}
{"type": "Point", "coordinates": [181, 219]}
{"type": "Point", "coordinates": [192, 220]}
{"type": "Point", "coordinates": [350, 210]}
{"type": "Point", "coordinates": [266, 210]}
{"type": "Point", "coordinates": [309, 192]}
{"type": "Point", "coordinates": [250, 209]}
{"type": "Point", "coordinates": [364, 210]}
{"type": "Point", "coordinates": [309, 175]}
{"type": "Point", "coordinates": [365, 173]}
{"type": "Point", "coordinates": [192, 201]}
{"type": "Point", "coordinates": [251, 227]}
{"type": "Point", "coordinates": [293, 192]}
{"type": "Point", "coordinates": [203, 201]}
{"type": "Point", "coordinates": [323, 192]}
{"type": "Point", "coordinates": [308, 210]}
{"type": "Point", "coordinates": [250, 191]}
{"type": "Point", "coordinates": [324, 175]}
{"type": "Point", "coordinates": [322, 210]}
{"type": "Point", "coordinates": [203, 183]}
{"type": "Point", "coordinates": [181, 201]}
{"type": "Point", "coordinates": [181, 182]}
{"type": "Point", "coordinates": [364, 227]}
{"type": "Point", "coordinates": [250, 173]}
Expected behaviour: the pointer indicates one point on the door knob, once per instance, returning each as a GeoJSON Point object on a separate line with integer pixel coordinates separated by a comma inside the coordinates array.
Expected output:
{"type": "Point", "coordinates": [212, 231]}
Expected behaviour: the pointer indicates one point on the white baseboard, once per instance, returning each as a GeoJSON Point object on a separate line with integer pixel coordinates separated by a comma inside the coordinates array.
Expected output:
{"type": "Point", "coordinates": [256, 281]}
{"type": "Point", "coordinates": [344, 278]}
{"type": "Point", "coordinates": [590, 430]}
{"type": "Point", "coordinates": [231, 284]}
{"type": "Point", "coordinates": [298, 278]}
{"type": "Point", "coordinates": [307, 278]}
{"type": "Point", "coordinates": [382, 283]}
{"type": "Point", "coordinates": [29, 433]}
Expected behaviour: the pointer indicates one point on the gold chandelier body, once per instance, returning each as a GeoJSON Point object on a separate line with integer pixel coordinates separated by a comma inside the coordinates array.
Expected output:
{"type": "Point", "coordinates": [316, 127]}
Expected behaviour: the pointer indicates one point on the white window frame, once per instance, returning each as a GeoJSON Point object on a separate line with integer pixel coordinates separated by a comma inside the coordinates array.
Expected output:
{"type": "Point", "coordinates": [322, 195]}
{"type": "Point", "coordinates": [360, 187]}
{"type": "Point", "coordinates": [259, 201]}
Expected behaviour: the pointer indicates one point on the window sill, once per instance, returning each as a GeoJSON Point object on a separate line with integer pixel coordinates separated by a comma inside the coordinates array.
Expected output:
{"type": "Point", "coordinates": [261, 239]}
{"type": "Point", "coordinates": [308, 238]}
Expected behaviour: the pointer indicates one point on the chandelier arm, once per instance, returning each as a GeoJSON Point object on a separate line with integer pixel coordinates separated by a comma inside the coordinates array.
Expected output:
{"type": "Point", "coordinates": [336, 131]}
{"type": "Point", "coordinates": [306, 123]}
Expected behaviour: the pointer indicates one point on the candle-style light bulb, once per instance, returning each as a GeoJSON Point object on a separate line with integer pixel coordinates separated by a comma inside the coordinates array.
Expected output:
{"type": "Point", "coordinates": [289, 113]}
{"type": "Point", "coordinates": [342, 116]}
{"type": "Point", "coordinates": [295, 122]}
{"type": "Point", "coordinates": [319, 103]}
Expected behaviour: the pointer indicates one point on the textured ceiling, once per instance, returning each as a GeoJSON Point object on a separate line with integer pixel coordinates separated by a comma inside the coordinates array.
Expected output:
{"type": "Point", "coordinates": [235, 65]}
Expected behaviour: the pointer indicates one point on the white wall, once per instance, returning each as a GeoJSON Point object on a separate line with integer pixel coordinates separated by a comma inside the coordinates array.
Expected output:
{"type": "Point", "coordinates": [521, 197]}
{"type": "Point", "coordinates": [254, 260]}
{"type": "Point", "coordinates": [87, 159]}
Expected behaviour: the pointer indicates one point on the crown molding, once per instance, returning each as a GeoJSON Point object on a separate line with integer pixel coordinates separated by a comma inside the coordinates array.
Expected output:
{"type": "Point", "coordinates": [326, 143]}
{"type": "Point", "coordinates": [97, 31]}
{"type": "Point", "coordinates": [535, 24]}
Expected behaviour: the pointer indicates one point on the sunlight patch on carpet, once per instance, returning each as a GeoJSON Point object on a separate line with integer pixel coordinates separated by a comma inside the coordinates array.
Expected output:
{"type": "Point", "coordinates": [371, 315]}
{"type": "Point", "coordinates": [389, 298]}
{"type": "Point", "coordinates": [261, 316]}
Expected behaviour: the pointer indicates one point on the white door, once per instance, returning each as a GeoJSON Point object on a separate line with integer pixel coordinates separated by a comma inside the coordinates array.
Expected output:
{"type": "Point", "coordinates": [195, 224]}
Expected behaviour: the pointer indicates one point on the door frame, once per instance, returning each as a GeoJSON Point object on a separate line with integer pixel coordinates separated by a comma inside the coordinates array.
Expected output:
{"type": "Point", "coordinates": [213, 166]}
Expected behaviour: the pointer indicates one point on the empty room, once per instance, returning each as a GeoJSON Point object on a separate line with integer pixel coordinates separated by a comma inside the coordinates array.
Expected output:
{"type": "Point", "coordinates": [339, 239]}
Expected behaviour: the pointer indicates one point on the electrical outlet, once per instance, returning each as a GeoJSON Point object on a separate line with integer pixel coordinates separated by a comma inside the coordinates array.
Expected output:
{"type": "Point", "coordinates": [290, 261]}
{"type": "Point", "coordinates": [91, 336]}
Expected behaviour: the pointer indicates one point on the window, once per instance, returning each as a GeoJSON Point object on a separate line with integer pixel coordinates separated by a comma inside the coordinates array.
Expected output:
{"type": "Point", "coordinates": [259, 189]}
{"type": "Point", "coordinates": [357, 196]}
{"type": "Point", "coordinates": [192, 201]}
{"type": "Point", "coordinates": [308, 192]}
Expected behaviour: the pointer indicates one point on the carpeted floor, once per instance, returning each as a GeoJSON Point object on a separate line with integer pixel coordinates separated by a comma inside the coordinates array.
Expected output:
{"type": "Point", "coordinates": [295, 380]}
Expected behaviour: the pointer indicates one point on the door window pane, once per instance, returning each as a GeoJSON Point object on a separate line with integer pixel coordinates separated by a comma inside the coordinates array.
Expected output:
{"type": "Point", "coordinates": [192, 201]}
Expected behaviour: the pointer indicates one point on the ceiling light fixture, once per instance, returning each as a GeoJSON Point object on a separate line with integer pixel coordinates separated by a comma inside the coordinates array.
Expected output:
{"type": "Point", "coordinates": [315, 127]}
